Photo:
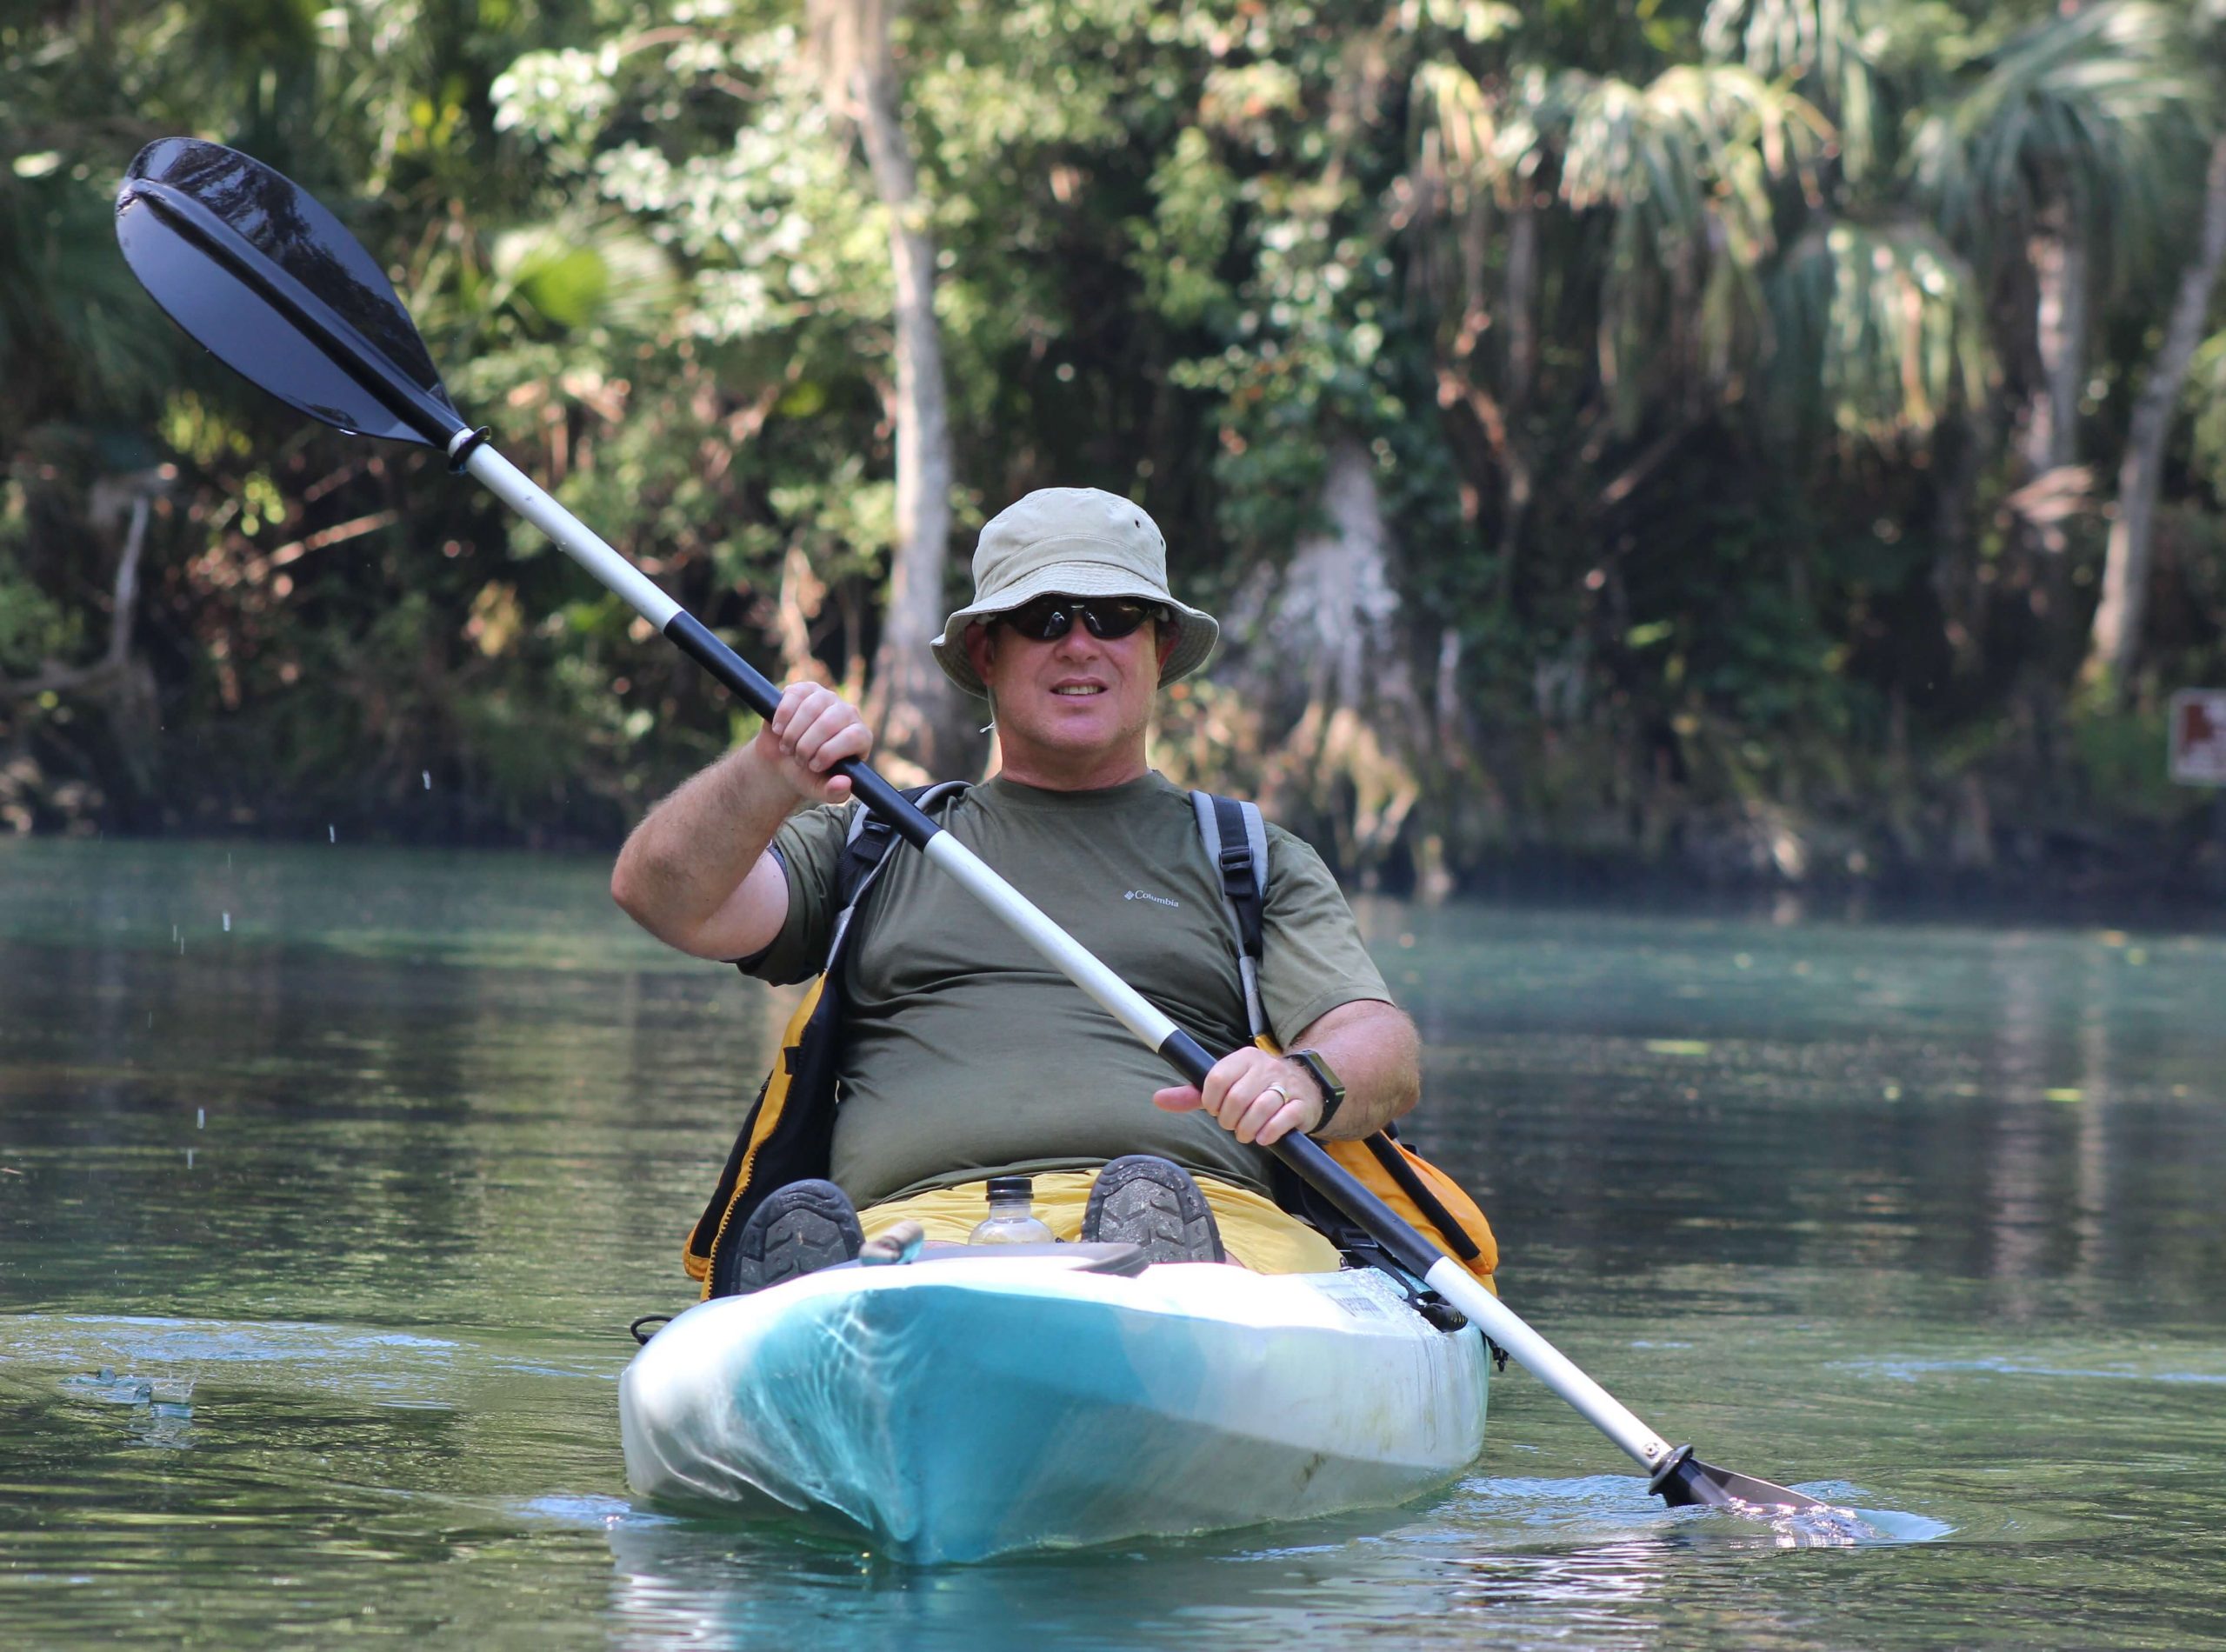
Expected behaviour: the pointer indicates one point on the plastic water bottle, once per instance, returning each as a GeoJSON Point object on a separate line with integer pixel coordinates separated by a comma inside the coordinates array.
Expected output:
{"type": "Point", "coordinates": [1012, 1217]}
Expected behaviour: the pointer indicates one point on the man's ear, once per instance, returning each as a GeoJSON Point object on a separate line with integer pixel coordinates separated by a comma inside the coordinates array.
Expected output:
{"type": "Point", "coordinates": [981, 648]}
{"type": "Point", "coordinates": [1168, 633]}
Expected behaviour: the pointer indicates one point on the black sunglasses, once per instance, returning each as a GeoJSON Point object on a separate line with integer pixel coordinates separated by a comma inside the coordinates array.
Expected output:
{"type": "Point", "coordinates": [1107, 617]}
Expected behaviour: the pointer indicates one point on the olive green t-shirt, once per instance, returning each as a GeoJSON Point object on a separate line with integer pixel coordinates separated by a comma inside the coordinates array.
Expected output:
{"type": "Point", "coordinates": [966, 1055]}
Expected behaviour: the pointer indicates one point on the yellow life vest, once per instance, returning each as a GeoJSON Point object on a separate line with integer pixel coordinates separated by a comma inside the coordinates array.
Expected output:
{"type": "Point", "coordinates": [787, 1135]}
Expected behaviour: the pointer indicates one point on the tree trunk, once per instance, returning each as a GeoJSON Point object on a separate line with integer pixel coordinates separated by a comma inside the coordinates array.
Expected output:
{"type": "Point", "coordinates": [121, 681]}
{"type": "Point", "coordinates": [1521, 361]}
{"type": "Point", "coordinates": [920, 717]}
{"type": "Point", "coordinates": [132, 497]}
{"type": "Point", "coordinates": [803, 594]}
{"type": "Point", "coordinates": [1353, 760]}
{"type": "Point", "coordinates": [2060, 333]}
{"type": "Point", "coordinates": [1959, 453]}
{"type": "Point", "coordinates": [2038, 591]}
{"type": "Point", "coordinates": [2115, 642]}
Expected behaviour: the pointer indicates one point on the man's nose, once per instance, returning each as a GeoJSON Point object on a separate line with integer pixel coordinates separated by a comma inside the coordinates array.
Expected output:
{"type": "Point", "coordinates": [1077, 643]}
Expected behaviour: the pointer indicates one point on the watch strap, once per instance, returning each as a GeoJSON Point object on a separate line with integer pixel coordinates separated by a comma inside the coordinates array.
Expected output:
{"type": "Point", "coordinates": [1333, 1093]}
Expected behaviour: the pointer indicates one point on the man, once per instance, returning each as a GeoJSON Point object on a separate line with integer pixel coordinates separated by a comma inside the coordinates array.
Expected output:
{"type": "Point", "coordinates": [965, 1055]}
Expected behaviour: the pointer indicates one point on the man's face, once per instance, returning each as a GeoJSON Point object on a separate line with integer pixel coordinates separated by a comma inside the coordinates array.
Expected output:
{"type": "Point", "coordinates": [1075, 700]}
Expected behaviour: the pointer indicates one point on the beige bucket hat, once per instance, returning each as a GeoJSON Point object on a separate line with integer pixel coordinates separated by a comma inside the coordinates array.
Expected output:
{"type": "Point", "coordinates": [1070, 542]}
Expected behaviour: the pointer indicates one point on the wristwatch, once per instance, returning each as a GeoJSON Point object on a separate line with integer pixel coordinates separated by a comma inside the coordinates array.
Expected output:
{"type": "Point", "coordinates": [1333, 1093]}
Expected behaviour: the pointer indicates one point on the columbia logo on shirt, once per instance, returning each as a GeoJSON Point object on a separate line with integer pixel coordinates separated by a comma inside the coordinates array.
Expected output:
{"type": "Point", "coordinates": [1145, 894]}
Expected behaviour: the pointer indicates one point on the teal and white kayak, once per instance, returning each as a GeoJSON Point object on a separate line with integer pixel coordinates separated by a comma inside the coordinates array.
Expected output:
{"type": "Point", "coordinates": [950, 1409]}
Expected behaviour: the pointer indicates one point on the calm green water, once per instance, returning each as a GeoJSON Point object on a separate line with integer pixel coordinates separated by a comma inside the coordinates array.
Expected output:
{"type": "Point", "coordinates": [348, 1169]}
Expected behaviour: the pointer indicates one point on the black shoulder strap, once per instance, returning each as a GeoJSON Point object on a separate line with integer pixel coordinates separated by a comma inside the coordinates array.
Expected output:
{"type": "Point", "coordinates": [1236, 838]}
{"type": "Point", "coordinates": [864, 850]}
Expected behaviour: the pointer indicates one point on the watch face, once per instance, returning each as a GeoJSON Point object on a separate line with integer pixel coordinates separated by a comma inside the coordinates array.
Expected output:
{"type": "Point", "coordinates": [1332, 1091]}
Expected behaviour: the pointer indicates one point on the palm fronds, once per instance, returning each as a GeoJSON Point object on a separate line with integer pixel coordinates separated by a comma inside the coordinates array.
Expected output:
{"type": "Point", "coordinates": [2084, 113]}
{"type": "Point", "coordinates": [1878, 333]}
{"type": "Point", "coordinates": [1682, 168]}
{"type": "Point", "coordinates": [1829, 50]}
{"type": "Point", "coordinates": [76, 331]}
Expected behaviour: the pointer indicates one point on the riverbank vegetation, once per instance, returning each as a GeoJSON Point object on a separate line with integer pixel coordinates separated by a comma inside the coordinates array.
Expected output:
{"type": "Point", "coordinates": [1776, 439]}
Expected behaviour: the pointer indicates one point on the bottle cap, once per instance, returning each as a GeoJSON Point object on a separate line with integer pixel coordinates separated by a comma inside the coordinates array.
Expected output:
{"type": "Point", "coordinates": [1011, 1187]}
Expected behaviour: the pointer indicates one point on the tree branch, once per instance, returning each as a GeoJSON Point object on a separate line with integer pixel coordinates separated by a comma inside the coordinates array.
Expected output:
{"type": "Point", "coordinates": [1649, 460]}
{"type": "Point", "coordinates": [59, 679]}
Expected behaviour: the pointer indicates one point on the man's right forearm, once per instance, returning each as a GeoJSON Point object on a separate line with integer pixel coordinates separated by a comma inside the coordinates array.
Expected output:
{"type": "Point", "coordinates": [695, 873]}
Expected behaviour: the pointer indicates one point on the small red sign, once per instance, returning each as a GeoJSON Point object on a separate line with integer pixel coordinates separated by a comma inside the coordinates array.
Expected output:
{"type": "Point", "coordinates": [2199, 736]}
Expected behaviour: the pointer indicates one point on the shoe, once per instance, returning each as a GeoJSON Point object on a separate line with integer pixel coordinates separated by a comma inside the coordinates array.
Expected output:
{"type": "Point", "coordinates": [797, 1230]}
{"type": "Point", "coordinates": [1149, 1203]}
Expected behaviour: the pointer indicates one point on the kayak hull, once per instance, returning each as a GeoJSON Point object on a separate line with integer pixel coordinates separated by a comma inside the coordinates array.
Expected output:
{"type": "Point", "coordinates": [951, 1411]}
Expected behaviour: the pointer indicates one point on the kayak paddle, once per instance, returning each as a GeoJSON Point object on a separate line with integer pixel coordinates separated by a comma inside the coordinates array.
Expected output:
{"type": "Point", "coordinates": [271, 284]}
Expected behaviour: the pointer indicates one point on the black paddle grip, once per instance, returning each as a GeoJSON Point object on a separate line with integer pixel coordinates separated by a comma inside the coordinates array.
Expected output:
{"type": "Point", "coordinates": [751, 687]}
{"type": "Point", "coordinates": [1324, 1174]}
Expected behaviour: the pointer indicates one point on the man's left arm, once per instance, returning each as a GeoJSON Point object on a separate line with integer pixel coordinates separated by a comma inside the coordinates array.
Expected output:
{"type": "Point", "coordinates": [1368, 1044]}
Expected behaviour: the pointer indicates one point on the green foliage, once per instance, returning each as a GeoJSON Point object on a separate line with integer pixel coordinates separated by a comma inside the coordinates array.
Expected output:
{"type": "Point", "coordinates": [2206, 391]}
{"type": "Point", "coordinates": [2117, 756]}
{"type": "Point", "coordinates": [1879, 332]}
{"type": "Point", "coordinates": [1681, 336]}
{"type": "Point", "coordinates": [34, 627]}
{"type": "Point", "coordinates": [2084, 110]}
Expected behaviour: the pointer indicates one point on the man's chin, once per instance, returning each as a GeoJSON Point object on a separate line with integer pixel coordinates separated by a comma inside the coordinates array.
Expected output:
{"type": "Point", "coordinates": [1077, 732]}
{"type": "Point", "coordinates": [1076, 738]}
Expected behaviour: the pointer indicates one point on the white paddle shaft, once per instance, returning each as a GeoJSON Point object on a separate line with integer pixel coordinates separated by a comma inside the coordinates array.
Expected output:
{"type": "Point", "coordinates": [1128, 1006]}
{"type": "Point", "coordinates": [1447, 1277]}
{"type": "Point", "coordinates": [1065, 954]}
{"type": "Point", "coordinates": [572, 536]}
{"type": "Point", "coordinates": [1546, 1363]}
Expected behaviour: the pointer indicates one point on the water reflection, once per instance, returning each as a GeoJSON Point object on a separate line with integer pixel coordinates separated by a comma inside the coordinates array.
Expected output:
{"type": "Point", "coordinates": [678, 1584]}
{"type": "Point", "coordinates": [1579, 1561]}
{"type": "Point", "coordinates": [1944, 1101]}
{"type": "Point", "coordinates": [1921, 1216]}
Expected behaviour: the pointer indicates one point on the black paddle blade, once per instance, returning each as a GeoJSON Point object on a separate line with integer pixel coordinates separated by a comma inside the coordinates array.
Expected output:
{"type": "Point", "coordinates": [271, 284]}
{"type": "Point", "coordinates": [1683, 1480]}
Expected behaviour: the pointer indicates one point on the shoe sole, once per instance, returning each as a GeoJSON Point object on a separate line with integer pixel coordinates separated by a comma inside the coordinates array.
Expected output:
{"type": "Point", "coordinates": [799, 1229]}
{"type": "Point", "coordinates": [1154, 1206]}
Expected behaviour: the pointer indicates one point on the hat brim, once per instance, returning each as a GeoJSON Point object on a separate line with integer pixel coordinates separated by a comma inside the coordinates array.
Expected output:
{"type": "Point", "coordinates": [1194, 641]}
